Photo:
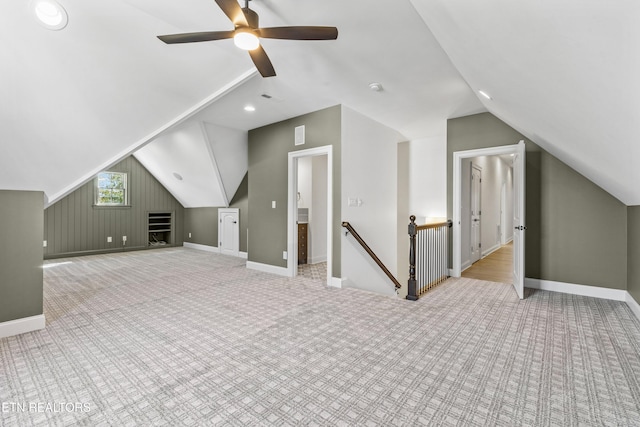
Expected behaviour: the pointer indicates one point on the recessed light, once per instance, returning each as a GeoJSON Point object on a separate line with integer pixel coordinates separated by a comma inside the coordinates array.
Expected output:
{"type": "Point", "coordinates": [376, 87]}
{"type": "Point", "coordinates": [177, 176]}
{"type": "Point", "coordinates": [249, 108]}
{"type": "Point", "coordinates": [50, 14]}
{"type": "Point", "coordinates": [485, 94]}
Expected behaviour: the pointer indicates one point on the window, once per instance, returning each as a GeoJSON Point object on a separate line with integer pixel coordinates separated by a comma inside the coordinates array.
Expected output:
{"type": "Point", "coordinates": [111, 189]}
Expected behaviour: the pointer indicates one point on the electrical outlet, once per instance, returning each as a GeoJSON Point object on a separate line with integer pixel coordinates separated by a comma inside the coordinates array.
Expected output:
{"type": "Point", "coordinates": [189, 235]}
{"type": "Point", "coordinates": [44, 243]}
{"type": "Point", "coordinates": [284, 255]}
{"type": "Point", "coordinates": [124, 239]}
{"type": "Point", "coordinates": [109, 239]}
{"type": "Point", "coordinates": [273, 204]}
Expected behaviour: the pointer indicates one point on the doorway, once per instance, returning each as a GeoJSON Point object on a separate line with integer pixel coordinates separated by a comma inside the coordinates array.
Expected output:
{"type": "Point", "coordinates": [229, 231]}
{"type": "Point", "coordinates": [518, 152]}
{"type": "Point", "coordinates": [475, 223]}
{"type": "Point", "coordinates": [305, 195]}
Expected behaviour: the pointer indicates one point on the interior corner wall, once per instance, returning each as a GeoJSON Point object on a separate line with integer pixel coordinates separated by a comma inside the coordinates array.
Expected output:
{"type": "Point", "coordinates": [428, 175]}
{"type": "Point", "coordinates": [21, 228]}
{"type": "Point", "coordinates": [74, 226]}
{"type": "Point", "coordinates": [202, 222]}
{"type": "Point", "coordinates": [268, 182]}
{"type": "Point", "coordinates": [404, 212]}
{"type": "Point", "coordinates": [633, 252]}
{"type": "Point", "coordinates": [370, 178]}
{"type": "Point", "coordinates": [576, 231]}
{"type": "Point", "coordinates": [318, 212]}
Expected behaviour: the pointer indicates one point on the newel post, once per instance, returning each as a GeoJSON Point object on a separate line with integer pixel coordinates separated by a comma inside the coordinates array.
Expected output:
{"type": "Point", "coordinates": [412, 293]}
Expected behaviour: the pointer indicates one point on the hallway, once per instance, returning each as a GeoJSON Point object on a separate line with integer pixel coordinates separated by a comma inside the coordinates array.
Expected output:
{"type": "Point", "coordinates": [496, 267]}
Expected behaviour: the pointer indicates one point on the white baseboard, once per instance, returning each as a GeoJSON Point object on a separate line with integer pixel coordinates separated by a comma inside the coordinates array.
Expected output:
{"type": "Point", "coordinates": [316, 260]}
{"type": "Point", "coordinates": [633, 305]}
{"type": "Point", "coordinates": [208, 248]}
{"type": "Point", "coordinates": [491, 250]}
{"type": "Point", "coordinates": [200, 247]}
{"type": "Point", "coordinates": [21, 326]}
{"type": "Point", "coordinates": [280, 271]}
{"type": "Point", "coordinates": [336, 282]}
{"type": "Point", "coordinates": [570, 288]}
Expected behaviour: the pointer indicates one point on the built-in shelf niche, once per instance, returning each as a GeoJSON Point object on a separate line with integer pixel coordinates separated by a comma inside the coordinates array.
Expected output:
{"type": "Point", "coordinates": [160, 227]}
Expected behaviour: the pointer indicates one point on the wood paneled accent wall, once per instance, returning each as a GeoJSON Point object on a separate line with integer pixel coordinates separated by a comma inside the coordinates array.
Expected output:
{"type": "Point", "coordinates": [74, 226]}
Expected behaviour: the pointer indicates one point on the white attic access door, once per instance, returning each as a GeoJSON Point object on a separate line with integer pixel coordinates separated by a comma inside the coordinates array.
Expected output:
{"type": "Point", "coordinates": [229, 231]}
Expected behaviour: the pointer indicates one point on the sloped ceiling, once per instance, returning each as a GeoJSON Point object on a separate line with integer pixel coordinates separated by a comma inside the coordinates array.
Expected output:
{"type": "Point", "coordinates": [565, 74]}
{"type": "Point", "coordinates": [77, 100]}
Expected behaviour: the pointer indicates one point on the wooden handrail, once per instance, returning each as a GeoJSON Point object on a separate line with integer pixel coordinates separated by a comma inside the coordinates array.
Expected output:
{"type": "Point", "coordinates": [366, 247]}
{"type": "Point", "coordinates": [448, 223]}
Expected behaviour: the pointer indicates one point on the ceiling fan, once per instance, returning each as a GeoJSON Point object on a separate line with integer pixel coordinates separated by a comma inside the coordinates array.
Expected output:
{"type": "Point", "coordinates": [247, 33]}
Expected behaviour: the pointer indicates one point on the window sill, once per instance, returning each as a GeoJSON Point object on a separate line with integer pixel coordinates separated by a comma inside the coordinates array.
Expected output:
{"type": "Point", "coordinates": [111, 206]}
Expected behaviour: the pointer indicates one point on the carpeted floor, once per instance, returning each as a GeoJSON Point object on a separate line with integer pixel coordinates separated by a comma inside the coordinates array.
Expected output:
{"type": "Point", "coordinates": [182, 337]}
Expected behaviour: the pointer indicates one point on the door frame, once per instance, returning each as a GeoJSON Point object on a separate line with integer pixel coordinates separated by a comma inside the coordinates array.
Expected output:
{"type": "Point", "coordinates": [479, 214]}
{"type": "Point", "coordinates": [292, 205]}
{"type": "Point", "coordinates": [457, 194]}
{"type": "Point", "coordinates": [221, 213]}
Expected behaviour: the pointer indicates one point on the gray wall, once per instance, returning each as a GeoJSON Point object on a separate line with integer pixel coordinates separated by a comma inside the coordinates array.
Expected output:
{"type": "Point", "coordinates": [21, 254]}
{"type": "Point", "coordinates": [202, 223]}
{"type": "Point", "coordinates": [74, 226]}
{"type": "Point", "coordinates": [576, 232]}
{"type": "Point", "coordinates": [268, 168]}
{"type": "Point", "coordinates": [633, 252]}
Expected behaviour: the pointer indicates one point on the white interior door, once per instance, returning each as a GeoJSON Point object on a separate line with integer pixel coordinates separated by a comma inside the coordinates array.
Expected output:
{"type": "Point", "coordinates": [476, 180]}
{"type": "Point", "coordinates": [519, 219]}
{"type": "Point", "coordinates": [229, 231]}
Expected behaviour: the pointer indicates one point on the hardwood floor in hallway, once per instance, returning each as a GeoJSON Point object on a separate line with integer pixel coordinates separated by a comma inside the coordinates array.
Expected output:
{"type": "Point", "coordinates": [496, 267]}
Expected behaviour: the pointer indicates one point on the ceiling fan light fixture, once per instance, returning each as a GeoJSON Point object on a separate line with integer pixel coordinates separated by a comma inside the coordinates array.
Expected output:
{"type": "Point", "coordinates": [50, 14]}
{"type": "Point", "coordinates": [246, 40]}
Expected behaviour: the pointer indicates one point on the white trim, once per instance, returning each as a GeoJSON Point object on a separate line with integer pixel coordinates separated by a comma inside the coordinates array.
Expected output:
{"type": "Point", "coordinates": [491, 250]}
{"type": "Point", "coordinates": [236, 213]}
{"type": "Point", "coordinates": [571, 288]}
{"type": "Point", "coordinates": [200, 247]}
{"type": "Point", "coordinates": [292, 205]}
{"type": "Point", "coordinates": [22, 326]}
{"type": "Point", "coordinates": [318, 259]}
{"type": "Point", "coordinates": [272, 269]}
{"type": "Point", "coordinates": [336, 282]}
{"type": "Point", "coordinates": [633, 305]}
{"type": "Point", "coordinates": [244, 255]}
{"type": "Point", "coordinates": [237, 82]}
{"type": "Point", "coordinates": [214, 163]}
{"type": "Point", "coordinates": [457, 181]}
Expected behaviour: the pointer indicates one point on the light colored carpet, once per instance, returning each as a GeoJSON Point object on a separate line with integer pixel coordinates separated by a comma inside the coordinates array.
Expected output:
{"type": "Point", "coordinates": [181, 337]}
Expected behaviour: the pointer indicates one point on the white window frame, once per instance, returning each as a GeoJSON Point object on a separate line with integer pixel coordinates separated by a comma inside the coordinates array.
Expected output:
{"type": "Point", "coordinates": [97, 189]}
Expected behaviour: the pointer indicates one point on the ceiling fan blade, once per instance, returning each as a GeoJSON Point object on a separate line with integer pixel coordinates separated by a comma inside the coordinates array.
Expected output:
{"type": "Point", "coordinates": [262, 62]}
{"type": "Point", "coordinates": [197, 37]}
{"type": "Point", "coordinates": [300, 33]}
{"type": "Point", "coordinates": [232, 9]}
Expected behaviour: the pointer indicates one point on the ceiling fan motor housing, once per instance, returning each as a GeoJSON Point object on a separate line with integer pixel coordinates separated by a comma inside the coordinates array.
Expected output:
{"type": "Point", "coordinates": [252, 18]}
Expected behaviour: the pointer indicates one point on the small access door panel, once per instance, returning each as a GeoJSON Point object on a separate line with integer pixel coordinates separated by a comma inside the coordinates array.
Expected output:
{"type": "Point", "coordinates": [229, 231]}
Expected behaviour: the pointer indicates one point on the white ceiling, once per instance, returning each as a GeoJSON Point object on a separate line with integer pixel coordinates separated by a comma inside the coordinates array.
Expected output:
{"type": "Point", "coordinates": [79, 99]}
{"type": "Point", "coordinates": [565, 74]}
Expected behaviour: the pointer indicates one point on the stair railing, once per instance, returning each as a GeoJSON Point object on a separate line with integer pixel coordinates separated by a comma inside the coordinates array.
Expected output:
{"type": "Point", "coordinates": [428, 256]}
{"type": "Point", "coordinates": [366, 247]}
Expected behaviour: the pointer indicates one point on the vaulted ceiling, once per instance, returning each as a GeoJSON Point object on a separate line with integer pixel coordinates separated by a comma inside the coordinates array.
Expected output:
{"type": "Point", "coordinates": [79, 99]}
